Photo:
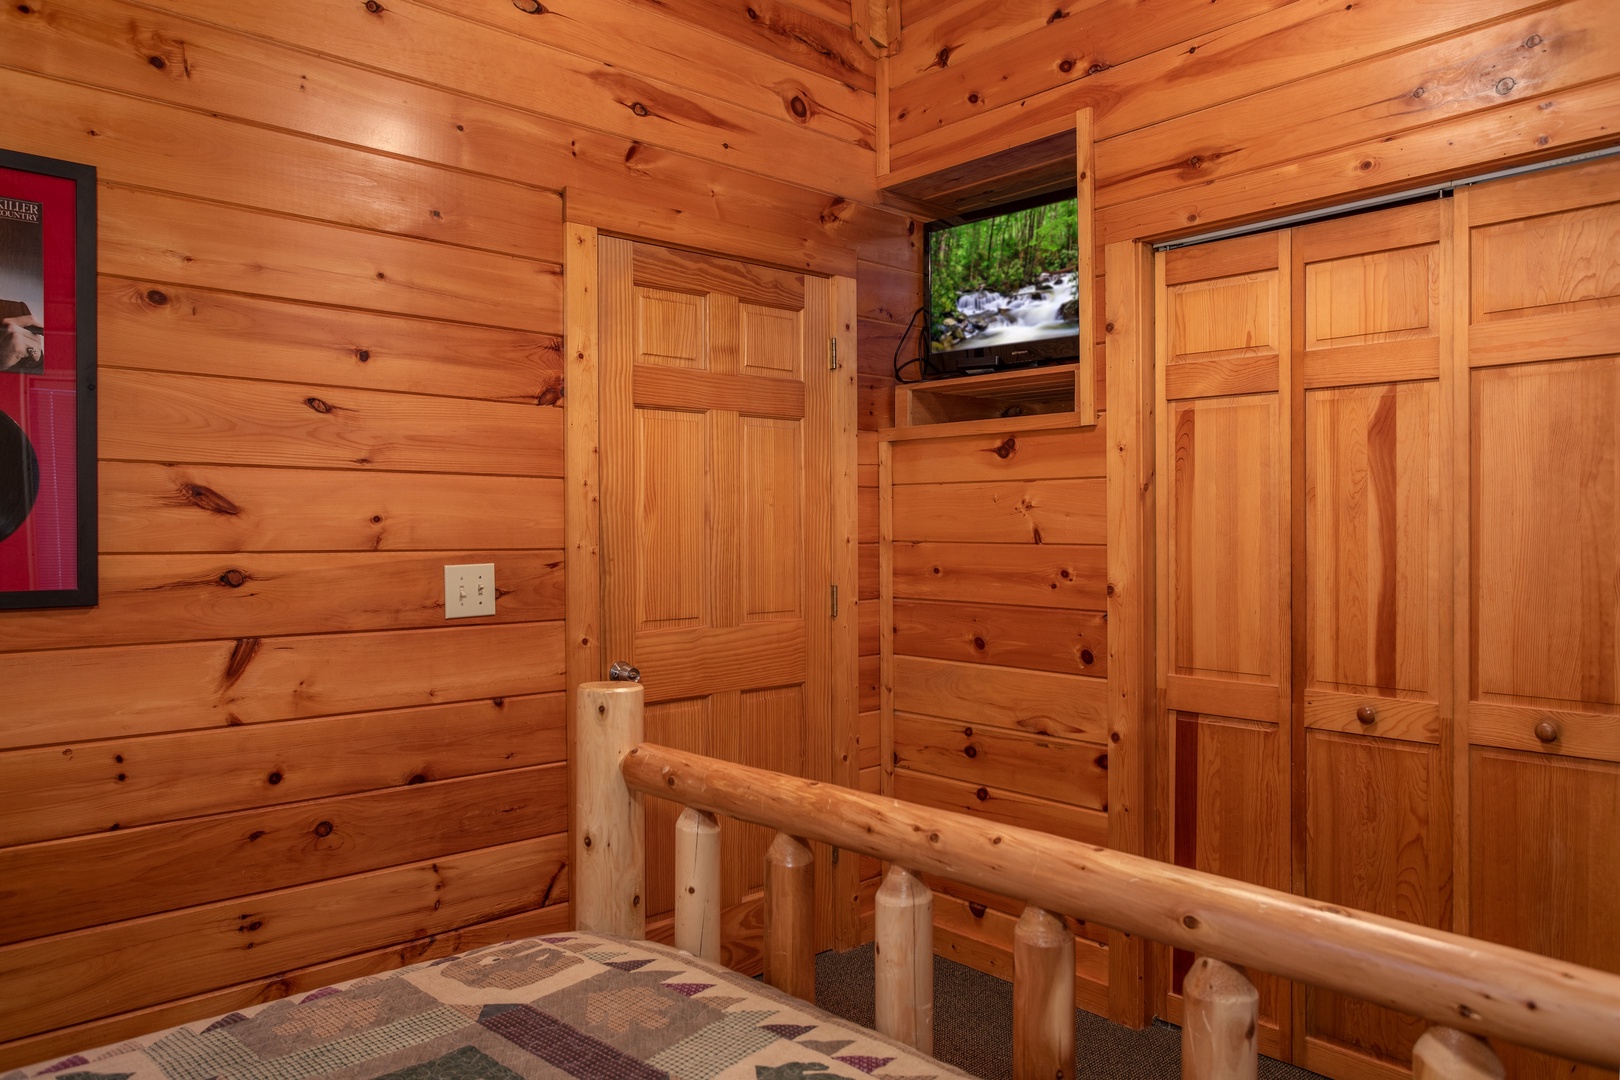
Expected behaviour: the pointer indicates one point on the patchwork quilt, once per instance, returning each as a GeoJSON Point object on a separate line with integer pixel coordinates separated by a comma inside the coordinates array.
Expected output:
{"type": "Point", "coordinates": [569, 1005]}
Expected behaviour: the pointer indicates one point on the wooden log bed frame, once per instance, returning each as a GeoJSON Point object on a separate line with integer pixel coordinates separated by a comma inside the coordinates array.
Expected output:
{"type": "Point", "coordinates": [1464, 986]}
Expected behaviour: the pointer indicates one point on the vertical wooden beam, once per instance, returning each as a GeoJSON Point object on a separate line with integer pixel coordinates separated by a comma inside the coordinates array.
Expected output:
{"type": "Point", "coordinates": [1221, 1020]}
{"type": "Point", "coordinates": [1043, 997]}
{"type": "Point", "coordinates": [616, 304]}
{"type": "Point", "coordinates": [905, 959]}
{"type": "Point", "coordinates": [1085, 156]}
{"type": "Point", "coordinates": [1456, 383]}
{"type": "Point", "coordinates": [886, 615]}
{"type": "Point", "coordinates": [844, 883]}
{"type": "Point", "coordinates": [790, 889]}
{"type": "Point", "coordinates": [609, 854]}
{"type": "Point", "coordinates": [582, 568]}
{"type": "Point", "coordinates": [1443, 1053]}
{"type": "Point", "coordinates": [1132, 686]}
{"type": "Point", "coordinates": [697, 884]}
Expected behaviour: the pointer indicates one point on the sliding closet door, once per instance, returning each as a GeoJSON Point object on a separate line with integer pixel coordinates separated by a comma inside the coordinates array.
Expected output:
{"type": "Point", "coordinates": [1224, 647]}
{"type": "Point", "coordinates": [1539, 619]}
{"type": "Point", "coordinates": [1372, 597]}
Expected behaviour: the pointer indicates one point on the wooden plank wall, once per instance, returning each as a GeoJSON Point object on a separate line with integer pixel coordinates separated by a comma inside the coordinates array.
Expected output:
{"type": "Point", "coordinates": [331, 307]}
{"type": "Point", "coordinates": [1228, 112]}
{"type": "Point", "coordinates": [1000, 656]}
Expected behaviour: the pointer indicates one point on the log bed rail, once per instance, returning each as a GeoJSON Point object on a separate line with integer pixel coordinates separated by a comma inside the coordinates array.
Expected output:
{"type": "Point", "coordinates": [1464, 986]}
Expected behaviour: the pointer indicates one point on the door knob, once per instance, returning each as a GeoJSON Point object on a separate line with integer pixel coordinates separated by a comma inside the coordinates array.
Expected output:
{"type": "Point", "coordinates": [1547, 731]}
{"type": "Point", "coordinates": [623, 672]}
{"type": "Point", "coordinates": [1367, 714]}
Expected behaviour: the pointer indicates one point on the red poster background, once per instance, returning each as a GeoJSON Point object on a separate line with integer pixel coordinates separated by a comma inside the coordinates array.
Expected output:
{"type": "Point", "coordinates": [43, 554]}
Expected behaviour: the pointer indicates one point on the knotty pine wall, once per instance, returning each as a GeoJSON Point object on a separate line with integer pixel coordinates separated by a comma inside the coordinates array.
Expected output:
{"type": "Point", "coordinates": [331, 308]}
{"type": "Point", "coordinates": [1231, 111]}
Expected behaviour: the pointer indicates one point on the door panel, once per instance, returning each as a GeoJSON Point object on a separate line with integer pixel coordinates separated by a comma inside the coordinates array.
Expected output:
{"type": "Point", "coordinates": [1539, 607]}
{"type": "Point", "coordinates": [715, 534]}
{"type": "Point", "coordinates": [1223, 508]}
{"type": "Point", "coordinates": [1371, 582]}
{"type": "Point", "coordinates": [1224, 538]}
{"type": "Point", "coordinates": [1378, 838]}
{"type": "Point", "coordinates": [1546, 875]}
{"type": "Point", "coordinates": [1546, 445]}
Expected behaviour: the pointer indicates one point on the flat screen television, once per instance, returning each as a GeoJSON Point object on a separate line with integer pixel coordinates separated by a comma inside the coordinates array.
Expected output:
{"type": "Point", "coordinates": [1001, 289]}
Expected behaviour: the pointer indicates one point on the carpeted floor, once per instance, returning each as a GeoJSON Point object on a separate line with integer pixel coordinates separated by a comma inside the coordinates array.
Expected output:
{"type": "Point", "coordinates": [973, 1025]}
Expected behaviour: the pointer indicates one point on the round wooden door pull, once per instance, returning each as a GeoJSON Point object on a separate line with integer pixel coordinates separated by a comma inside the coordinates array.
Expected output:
{"type": "Point", "coordinates": [1367, 714]}
{"type": "Point", "coordinates": [1547, 731]}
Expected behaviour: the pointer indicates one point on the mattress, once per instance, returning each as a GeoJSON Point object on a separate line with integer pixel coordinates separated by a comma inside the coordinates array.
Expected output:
{"type": "Point", "coordinates": [567, 1005]}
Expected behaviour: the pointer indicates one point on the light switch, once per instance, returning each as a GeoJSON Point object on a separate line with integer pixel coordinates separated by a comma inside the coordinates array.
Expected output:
{"type": "Point", "coordinates": [469, 590]}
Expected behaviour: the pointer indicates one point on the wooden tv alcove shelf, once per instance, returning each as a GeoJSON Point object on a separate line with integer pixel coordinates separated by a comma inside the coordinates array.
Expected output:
{"type": "Point", "coordinates": [1045, 397]}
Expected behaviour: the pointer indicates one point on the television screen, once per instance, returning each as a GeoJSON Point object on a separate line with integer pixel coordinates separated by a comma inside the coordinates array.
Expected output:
{"type": "Point", "coordinates": [1002, 289]}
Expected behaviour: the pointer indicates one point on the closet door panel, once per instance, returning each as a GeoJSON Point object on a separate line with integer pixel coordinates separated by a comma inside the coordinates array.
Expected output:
{"type": "Point", "coordinates": [1224, 537]}
{"type": "Point", "coordinates": [1546, 503]}
{"type": "Point", "coordinates": [1546, 875]}
{"type": "Point", "coordinates": [1378, 838]}
{"type": "Point", "coordinates": [1224, 643]}
{"type": "Point", "coordinates": [1370, 590]}
{"type": "Point", "coordinates": [1539, 608]}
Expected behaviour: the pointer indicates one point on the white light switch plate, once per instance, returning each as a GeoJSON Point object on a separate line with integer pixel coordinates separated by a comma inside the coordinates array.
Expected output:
{"type": "Point", "coordinates": [469, 590]}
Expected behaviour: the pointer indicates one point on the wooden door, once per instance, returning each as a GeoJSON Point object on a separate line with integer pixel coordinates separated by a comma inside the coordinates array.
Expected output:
{"type": "Point", "coordinates": [716, 526]}
{"type": "Point", "coordinates": [1538, 613]}
{"type": "Point", "coordinates": [1223, 376]}
{"type": "Point", "coordinates": [1372, 347]}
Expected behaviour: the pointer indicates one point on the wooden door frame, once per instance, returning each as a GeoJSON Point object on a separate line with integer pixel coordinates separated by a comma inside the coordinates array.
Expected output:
{"type": "Point", "coordinates": [582, 567]}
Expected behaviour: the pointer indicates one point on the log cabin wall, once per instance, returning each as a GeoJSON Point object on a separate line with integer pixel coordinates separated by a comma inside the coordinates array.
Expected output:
{"type": "Point", "coordinates": [331, 306]}
{"type": "Point", "coordinates": [1211, 113]}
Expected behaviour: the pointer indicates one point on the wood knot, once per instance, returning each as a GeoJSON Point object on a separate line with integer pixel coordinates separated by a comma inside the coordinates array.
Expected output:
{"type": "Point", "coordinates": [797, 106]}
{"type": "Point", "coordinates": [943, 57]}
{"type": "Point", "coordinates": [1505, 86]}
{"type": "Point", "coordinates": [157, 297]}
{"type": "Point", "coordinates": [1532, 41]}
{"type": "Point", "coordinates": [157, 62]}
{"type": "Point", "coordinates": [323, 829]}
{"type": "Point", "coordinates": [234, 578]}
{"type": "Point", "coordinates": [1006, 448]}
{"type": "Point", "coordinates": [587, 841]}
{"type": "Point", "coordinates": [1087, 657]}
{"type": "Point", "coordinates": [973, 99]}
{"type": "Point", "coordinates": [639, 109]}
{"type": "Point", "coordinates": [374, 7]}
{"type": "Point", "coordinates": [274, 778]}
{"type": "Point", "coordinates": [1065, 65]}
{"type": "Point", "coordinates": [1190, 922]}
{"type": "Point", "coordinates": [978, 643]}
{"type": "Point", "coordinates": [1056, 15]}
{"type": "Point", "coordinates": [549, 396]}
{"type": "Point", "coordinates": [970, 750]}
{"type": "Point", "coordinates": [1113, 736]}
{"type": "Point", "coordinates": [530, 7]}
{"type": "Point", "coordinates": [1098, 68]}
{"type": "Point", "coordinates": [206, 498]}
{"type": "Point", "coordinates": [318, 405]}
{"type": "Point", "coordinates": [362, 355]}
{"type": "Point", "coordinates": [1108, 328]}
{"type": "Point", "coordinates": [983, 794]}
{"type": "Point", "coordinates": [977, 909]}
{"type": "Point", "coordinates": [419, 778]}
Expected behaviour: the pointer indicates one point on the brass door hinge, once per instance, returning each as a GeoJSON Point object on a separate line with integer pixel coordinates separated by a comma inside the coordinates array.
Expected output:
{"type": "Point", "coordinates": [835, 601]}
{"type": "Point", "coordinates": [832, 354]}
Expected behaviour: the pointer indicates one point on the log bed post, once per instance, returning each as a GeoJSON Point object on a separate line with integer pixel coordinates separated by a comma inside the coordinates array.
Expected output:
{"type": "Point", "coordinates": [697, 884]}
{"type": "Point", "coordinates": [1043, 997]}
{"type": "Point", "coordinates": [608, 847]}
{"type": "Point", "coordinates": [904, 924]}
{"type": "Point", "coordinates": [1220, 1022]}
{"type": "Point", "coordinates": [1443, 1053]}
{"type": "Point", "coordinates": [790, 900]}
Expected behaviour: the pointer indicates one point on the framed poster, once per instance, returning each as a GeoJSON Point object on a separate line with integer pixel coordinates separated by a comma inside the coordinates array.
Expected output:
{"type": "Point", "coordinates": [47, 382]}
